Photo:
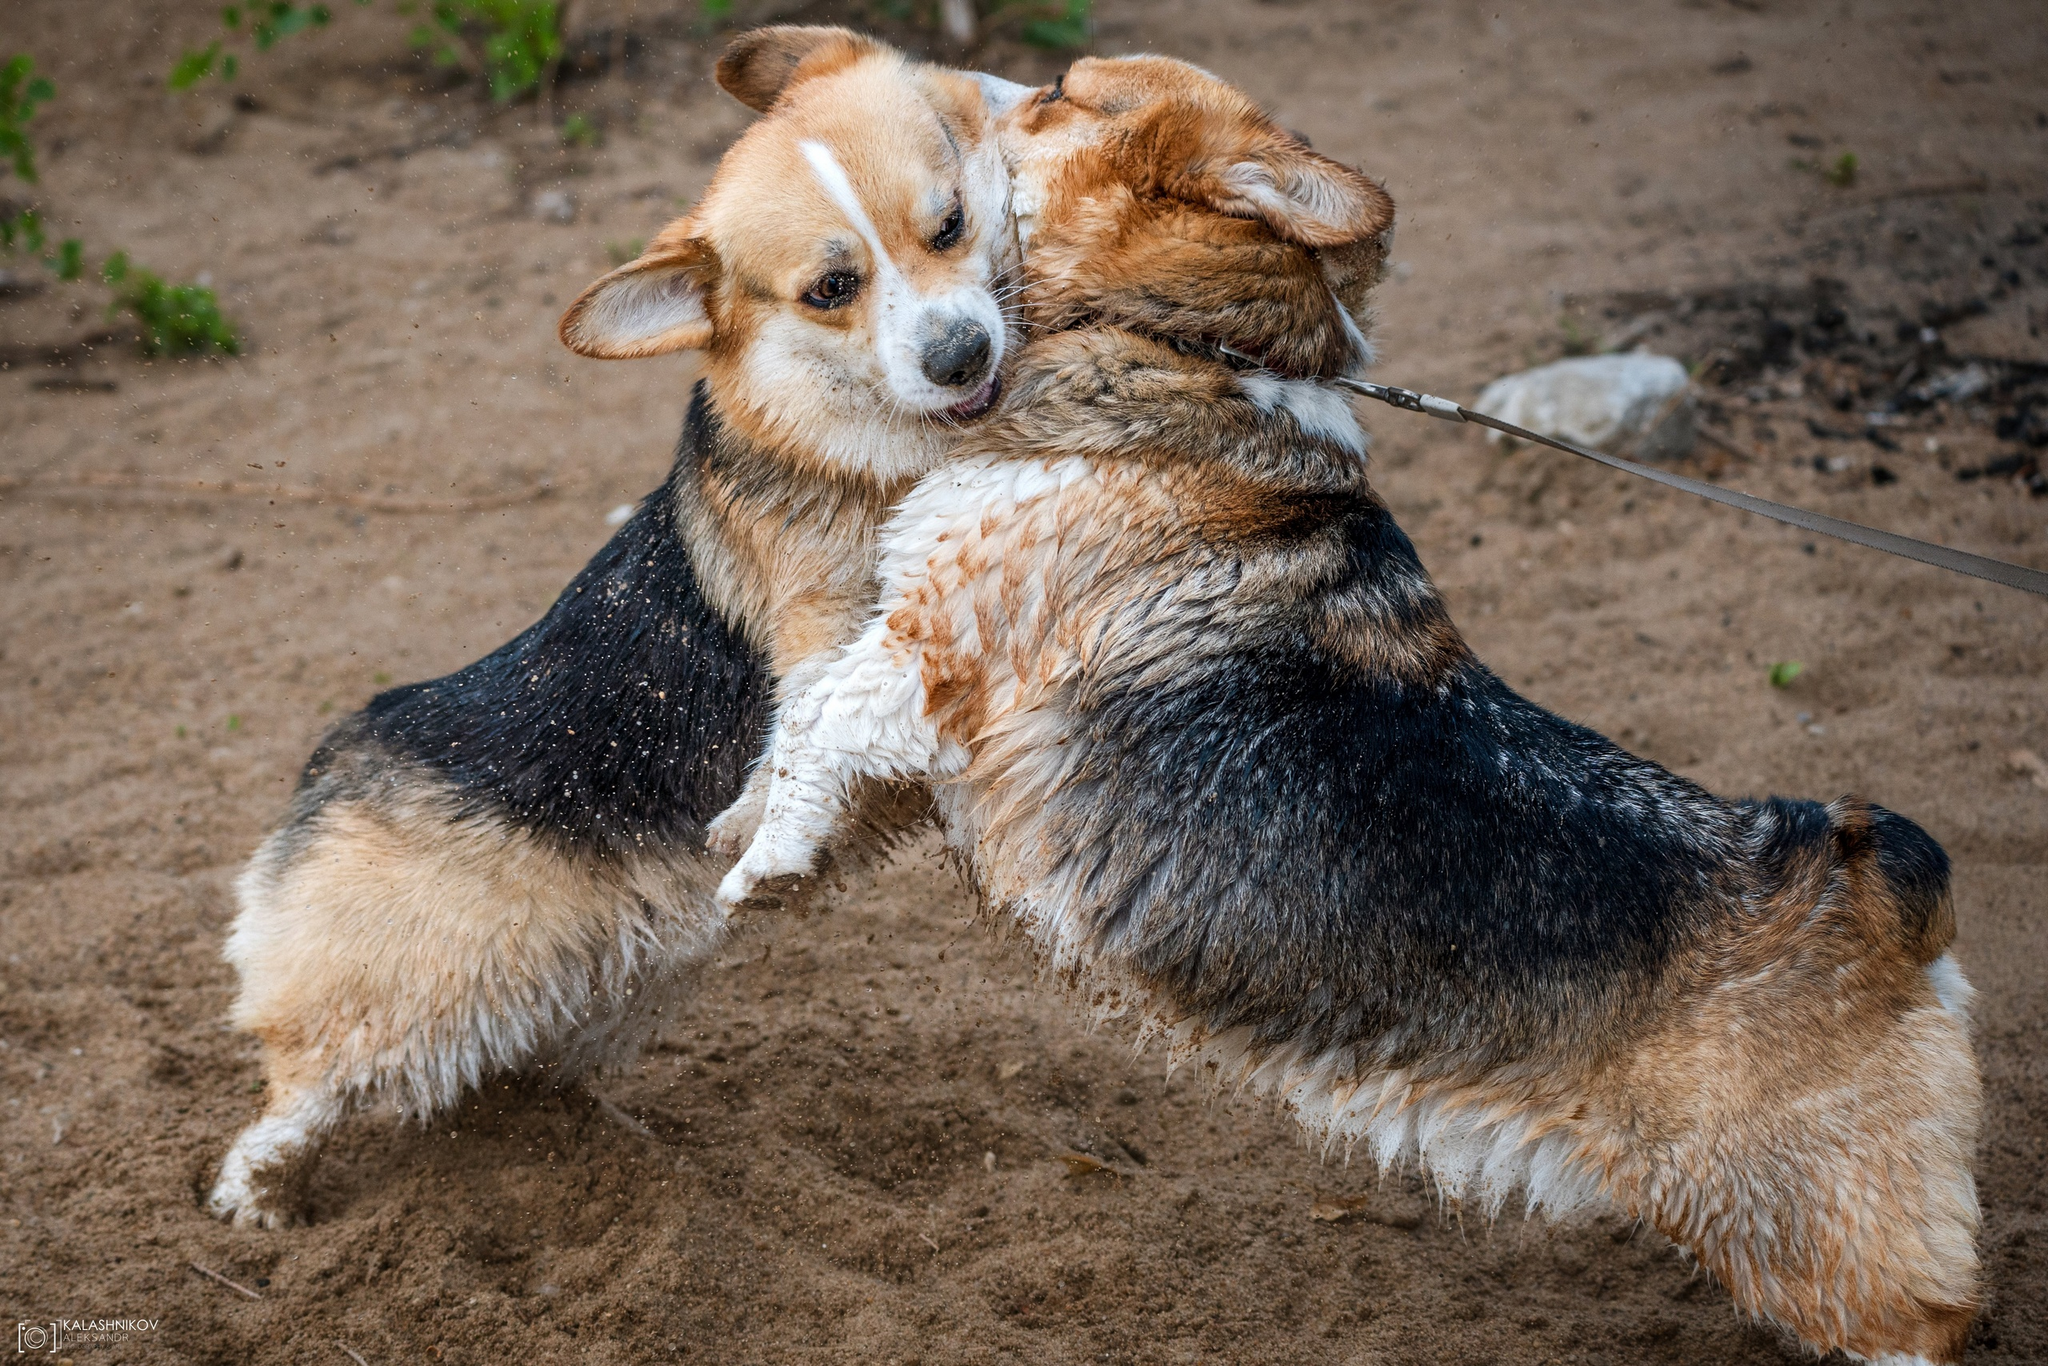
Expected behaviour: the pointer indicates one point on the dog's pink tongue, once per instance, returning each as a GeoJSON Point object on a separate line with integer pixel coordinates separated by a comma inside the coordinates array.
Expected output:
{"type": "Point", "coordinates": [983, 400]}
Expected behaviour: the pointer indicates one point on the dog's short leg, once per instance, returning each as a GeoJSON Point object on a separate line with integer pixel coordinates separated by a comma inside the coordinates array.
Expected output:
{"type": "Point", "coordinates": [1843, 1206]}
{"type": "Point", "coordinates": [863, 716]}
{"type": "Point", "coordinates": [263, 1178]}
{"type": "Point", "coordinates": [733, 829]}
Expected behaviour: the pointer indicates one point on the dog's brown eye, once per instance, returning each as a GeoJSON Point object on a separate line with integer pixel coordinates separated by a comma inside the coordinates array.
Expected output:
{"type": "Point", "coordinates": [951, 230]}
{"type": "Point", "coordinates": [833, 290]}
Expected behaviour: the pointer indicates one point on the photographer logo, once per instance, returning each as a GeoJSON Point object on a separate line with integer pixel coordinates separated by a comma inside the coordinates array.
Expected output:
{"type": "Point", "coordinates": [48, 1337]}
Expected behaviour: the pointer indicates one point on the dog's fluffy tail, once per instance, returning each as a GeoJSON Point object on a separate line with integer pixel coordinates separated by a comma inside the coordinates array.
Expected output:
{"type": "Point", "coordinates": [1871, 867]}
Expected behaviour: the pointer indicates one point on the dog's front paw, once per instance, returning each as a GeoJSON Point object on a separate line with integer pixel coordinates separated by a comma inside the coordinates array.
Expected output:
{"type": "Point", "coordinates": [777, 866]}
{"type": "Point", "coordinates": [734, 828]}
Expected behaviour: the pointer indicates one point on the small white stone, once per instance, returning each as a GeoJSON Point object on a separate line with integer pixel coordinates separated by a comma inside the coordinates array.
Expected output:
{"type": "Point", "coordinates": [619, 515]}
{"type": "Point", "coordinates": [1635, 404]}
{"type": "Point", "coordinates": [554, 206]}
{"type": "Point", "coordinates": [1958, 386]}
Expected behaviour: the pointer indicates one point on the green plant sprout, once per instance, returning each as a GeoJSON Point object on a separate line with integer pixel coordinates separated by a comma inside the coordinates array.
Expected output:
{"type": "Point", "coordinates": [1058, 24]}
{"type": "Point", "coordinates": [69, 262]}
{"type": "Point", "coordinates": [175, 319]}
{"type": "Point", "coordinates": [268, 23]}
{"type": "Point", "coordinates": [579, 131]}
{"type": "Point", "coordinates": [512, 45]}
{"type": "Point", "coordinates": [1784, 671]}
{"type": "Point", "coordinates": [1840, 173]}
{"type": "Point", "coordinates": [1067, 25]}
{"type": "Point", "coordinates": [19, 95]}
{"type": "Point", "coordinates": [522, 39]}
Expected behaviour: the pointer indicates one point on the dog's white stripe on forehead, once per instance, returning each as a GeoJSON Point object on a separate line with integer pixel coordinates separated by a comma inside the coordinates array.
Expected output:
{"type": "Point", "coordinates": [832, 176]}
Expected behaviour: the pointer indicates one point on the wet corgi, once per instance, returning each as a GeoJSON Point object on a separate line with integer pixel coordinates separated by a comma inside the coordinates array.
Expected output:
{"type": "Point", "coordinates": [504, 870]}
{"type": "Point", "coordinates": [1199, 723]}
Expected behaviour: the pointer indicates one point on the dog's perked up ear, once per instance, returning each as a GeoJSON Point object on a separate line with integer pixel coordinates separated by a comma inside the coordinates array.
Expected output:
{"type": "Point", "coordinates": [647, 307]}
{"type": "Point", "coordinates": [1300, 195]}
{"type": "Point", "coordinates": [759, 65]}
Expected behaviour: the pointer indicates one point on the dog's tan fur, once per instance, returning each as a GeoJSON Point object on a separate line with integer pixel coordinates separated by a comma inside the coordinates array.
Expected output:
{"type": "Point", "coordinates": [415, 924]}
{"type": "Point", "coordinates": [1763, 1052]}
{"type": "Point", "coordinates": [789, 550]}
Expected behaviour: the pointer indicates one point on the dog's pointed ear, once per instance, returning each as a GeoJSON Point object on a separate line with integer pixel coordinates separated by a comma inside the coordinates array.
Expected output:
{"type": "Point", "coordinates": [1300, 195]}
{"type": "Point", "coordinates": [760, 64]}
{"type": "Point", "coordinates": [647, 307]}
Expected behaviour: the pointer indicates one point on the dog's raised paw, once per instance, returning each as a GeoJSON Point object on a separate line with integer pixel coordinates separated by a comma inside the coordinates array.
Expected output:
{"type": "Point", "coordinates": [778, 859]}
{"type": "Point", "coordinates": [733, 829]}
{"type": "Point", "coordinates": [773, 892]}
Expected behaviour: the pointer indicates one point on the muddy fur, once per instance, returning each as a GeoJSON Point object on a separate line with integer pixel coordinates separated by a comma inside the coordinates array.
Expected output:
{"type": "Point", "coordinates": [504, 870]}
{"type": "Point", "coordinates": [1199, 724]}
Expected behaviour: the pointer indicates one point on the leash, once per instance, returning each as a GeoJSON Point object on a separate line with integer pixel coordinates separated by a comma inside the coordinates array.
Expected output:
{"type": "Point", "coordinates": [1926, 552]}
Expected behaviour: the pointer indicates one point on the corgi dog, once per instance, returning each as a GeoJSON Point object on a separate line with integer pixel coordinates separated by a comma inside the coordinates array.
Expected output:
{"type": "Point", "coordinates": [1199, 723]}
{"type": "Point", "coordinates": [504, 870]}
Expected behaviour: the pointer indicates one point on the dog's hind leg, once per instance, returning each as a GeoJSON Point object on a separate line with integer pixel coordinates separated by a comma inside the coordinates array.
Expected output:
{"type": "Point", "coordinates": [1806, 1127]}
{"type": "Point", "coordinates": [1843, 1209]}
{"type": "Point", "coordinates": [389, 950]}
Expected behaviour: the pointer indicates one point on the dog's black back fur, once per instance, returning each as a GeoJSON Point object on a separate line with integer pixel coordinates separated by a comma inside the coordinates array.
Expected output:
{"type": "Point", "coordinates": [628, 714]}
{"type": "Point", "coordinates": [1416, 869]}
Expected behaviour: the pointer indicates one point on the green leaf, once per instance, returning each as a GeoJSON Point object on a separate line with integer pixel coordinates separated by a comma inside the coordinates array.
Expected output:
{"type": "Point", "coordinates": [69, 262]}
{"type": "Point", "coordinates": [15, 148]}
{"type": "Point", "coordinates": [231, 17]}
{"type": "Point", "coordinates": [1784, 671]}
{"type": "Point", "coordinates": [194, 67]}
{"type": "Point", "coordinates": [19, 97]}
{"type": "Point", "coordinates": [1068, 30]}
{"type": "Point", "coordinates": [27, 228]}
{"type": "Point", "coordinates": [579, 131]}
{"type": "Point", "coordinates": [228, 67]}
{"type": "Point", "coordinates": [116, 268]}
{"type": "Point", "coordinates": [175, 319]}
{"type": "Point", "coordinates": [285, 19]}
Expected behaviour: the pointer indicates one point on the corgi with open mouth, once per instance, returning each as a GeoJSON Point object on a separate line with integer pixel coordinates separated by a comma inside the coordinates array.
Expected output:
{"type": "Point", "coordinates": [1199, 723]}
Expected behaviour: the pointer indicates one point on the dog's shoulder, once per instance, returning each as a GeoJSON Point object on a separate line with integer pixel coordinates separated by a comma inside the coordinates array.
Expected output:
{"type": "Point", "coordinates": [627, 712]}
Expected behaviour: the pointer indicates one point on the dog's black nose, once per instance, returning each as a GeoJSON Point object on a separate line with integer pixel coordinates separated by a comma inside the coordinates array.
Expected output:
{"type": "Point", "coordinates": [959, 356]}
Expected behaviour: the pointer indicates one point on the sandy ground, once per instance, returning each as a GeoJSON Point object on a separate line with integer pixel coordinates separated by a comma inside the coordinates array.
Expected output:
{"type": "Point", "coordinates": [850, 1148]}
